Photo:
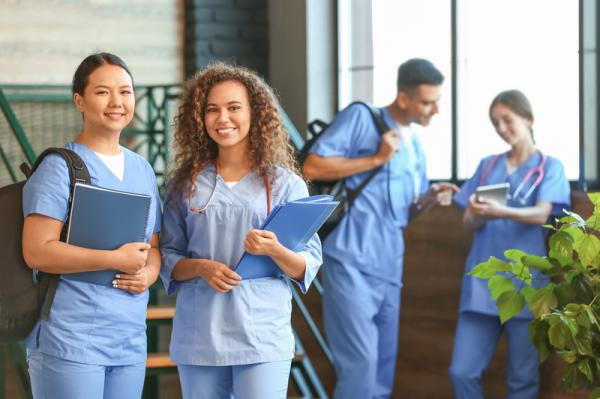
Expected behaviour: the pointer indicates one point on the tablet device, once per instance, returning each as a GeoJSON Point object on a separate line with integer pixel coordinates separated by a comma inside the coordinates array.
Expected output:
{"type": "Point", "coordinates": [493, 192]}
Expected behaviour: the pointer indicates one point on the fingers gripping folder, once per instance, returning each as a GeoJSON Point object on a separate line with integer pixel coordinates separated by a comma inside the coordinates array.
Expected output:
{"type": "Point", "coordinates": [294, 223]}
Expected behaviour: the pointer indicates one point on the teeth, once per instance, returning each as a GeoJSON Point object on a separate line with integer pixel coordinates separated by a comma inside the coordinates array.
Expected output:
{"type": "Point", "coordinates": [225, 131]}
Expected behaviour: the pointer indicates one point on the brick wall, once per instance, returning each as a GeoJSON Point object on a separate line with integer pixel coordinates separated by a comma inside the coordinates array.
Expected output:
{"type": "Point", "coordinates": [234, 31]}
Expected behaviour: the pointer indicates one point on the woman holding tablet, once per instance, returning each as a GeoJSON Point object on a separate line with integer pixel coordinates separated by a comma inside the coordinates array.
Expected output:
{"type": "Point", "coordinates": [537, 189]}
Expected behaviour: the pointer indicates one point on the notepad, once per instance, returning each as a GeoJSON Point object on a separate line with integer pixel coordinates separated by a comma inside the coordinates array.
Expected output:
{"type": "Point", "coordinates": [494, 192]}
{"type": "Point", "coordinates": [294, 223]}
{"type": "Point", "coordinates": [105, 219]}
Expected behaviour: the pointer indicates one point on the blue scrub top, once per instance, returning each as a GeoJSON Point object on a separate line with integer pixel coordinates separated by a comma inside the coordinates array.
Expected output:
{"type": "Point", "coordinates": [370, 237]}
{"type": "Point", "coordinates": [498, 235]}
{"type": "Point", "coordinates": [250, 323]}
{"type": "Point", "coordinates": [89, 323]}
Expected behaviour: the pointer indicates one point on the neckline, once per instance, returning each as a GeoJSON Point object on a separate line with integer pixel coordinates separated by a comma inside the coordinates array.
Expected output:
{"type": "Point", "coordinates": [98, 160]}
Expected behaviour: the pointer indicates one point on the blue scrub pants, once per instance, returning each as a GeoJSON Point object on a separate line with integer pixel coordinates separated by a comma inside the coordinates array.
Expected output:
{"type": "Point", "coordinates": [361, 315]}
{"type": "Point", "coordinates": [474, 344]}
{"type": "Point", "coordinates": [267, 380]}
{"type": "Point", "coordinates": [55, 378]}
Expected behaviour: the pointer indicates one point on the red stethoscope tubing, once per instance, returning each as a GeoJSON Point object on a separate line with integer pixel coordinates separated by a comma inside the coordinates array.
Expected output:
{"type": "Point", "coordinates": [537, 169]}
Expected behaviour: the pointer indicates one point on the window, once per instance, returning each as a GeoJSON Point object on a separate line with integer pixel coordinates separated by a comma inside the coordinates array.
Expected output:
{"type": "Point", "coordinates": [489, 46]}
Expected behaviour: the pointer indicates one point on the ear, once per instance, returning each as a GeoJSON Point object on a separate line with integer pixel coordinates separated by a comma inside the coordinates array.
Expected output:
{"type": "Point", "coordinates": [78, 101]}
{"type": "Point", "coordinates": [402, 99]}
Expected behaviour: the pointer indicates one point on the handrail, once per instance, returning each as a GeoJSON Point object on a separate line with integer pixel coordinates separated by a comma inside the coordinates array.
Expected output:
{"type": "Point", "coordinates": [16, 127]}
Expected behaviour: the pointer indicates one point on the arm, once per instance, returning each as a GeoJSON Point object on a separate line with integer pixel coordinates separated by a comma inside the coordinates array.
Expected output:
{"type": "Point", "coordinates": [478, 213]}
{"type": "Point", "coordinates": [317, 167]}
{"type": "Point", "coordinates": [43, 250]}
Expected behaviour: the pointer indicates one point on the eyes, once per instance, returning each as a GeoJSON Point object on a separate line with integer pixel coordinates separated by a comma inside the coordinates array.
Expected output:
{"type": "Point", "coordinates": [231, 108]}
{"type": "Point", "coordinates": [124, 92]}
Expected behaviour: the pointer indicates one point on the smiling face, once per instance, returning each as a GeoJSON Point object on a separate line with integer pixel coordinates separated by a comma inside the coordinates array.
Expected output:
{"type": "Point", "coordinates": [107, 102]}
{"type": "Point", "coordinates": [227, 115]}
{"type": "Point", "coordinates": [510, 126]}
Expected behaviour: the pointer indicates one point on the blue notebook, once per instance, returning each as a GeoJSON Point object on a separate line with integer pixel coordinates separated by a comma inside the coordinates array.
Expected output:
{"type": "Point", "coordinates": [294, 223]}
{"type": "Point", "coordinates": [101, 218]}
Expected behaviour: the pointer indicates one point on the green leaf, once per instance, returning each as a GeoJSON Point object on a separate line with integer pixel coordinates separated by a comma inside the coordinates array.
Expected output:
{"type": "Point", "coordinates": [514, 254]}
{"type": "Point", "coordinates": [538, 333]}
{"type": "Point", "coordinates": [561, 246]}
{"type": "Point", "coordinates": [509, 305]}
{"type": "Point", "coordinates": [557, 335]}
{"type": "Point", "coordinates": [521, 272]}
{"type": "Point", "coordinates": [583, 342]}
{"type": "Point", "coordinates": [499, 284]}
{"type": "Point", "coordinates": [528, 292]}
{"type": "Point", "coordinates": [588, 247]}
{"type": "Point", "coordinates": [569, 356]}
{"type": "Point", "coordinates": [537, 262]}
{"type": "Point", "coordinates": [593, 221]}
{"type": "Point", "coordinates": [489, 268]}
{"type": "Point", "coordinates": [543, 302]}
{"type": "Point", "coordinates": [586, 369]}
{"type": "Point", "coordinates": [594, 394]}
{"type": "Point", "coordinates": [595, 199]}
{"type": "Point", "coordinates": [574, 232]}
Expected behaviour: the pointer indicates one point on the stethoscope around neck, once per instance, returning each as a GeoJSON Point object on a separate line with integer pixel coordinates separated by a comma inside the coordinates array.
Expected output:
{"type": "Point", "coordinates": [202, 210]}
{"type": "Point", "coordinates": [539, 170]}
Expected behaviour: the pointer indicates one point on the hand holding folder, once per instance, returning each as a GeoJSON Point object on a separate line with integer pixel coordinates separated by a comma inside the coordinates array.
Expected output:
{"type": "Point", "coordinates": [294, 223]}
{"type": "Point", "coordinates": [105, 219]}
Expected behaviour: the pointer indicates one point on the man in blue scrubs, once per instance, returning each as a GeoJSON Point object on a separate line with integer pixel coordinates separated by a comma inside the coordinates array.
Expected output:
{"type": "Point", "coordinates": [362, 268]}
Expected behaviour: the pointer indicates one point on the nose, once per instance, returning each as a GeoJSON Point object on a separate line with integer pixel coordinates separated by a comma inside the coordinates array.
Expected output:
{"type": "Point", "coordinates": [436, 108]}
{"type": "Point", "coordinates": [223, 117]}
{"type": "Point", "coordinates": [115, 100]}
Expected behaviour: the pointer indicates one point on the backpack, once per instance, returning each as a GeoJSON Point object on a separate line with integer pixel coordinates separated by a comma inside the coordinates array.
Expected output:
{"type": "Point", "coordinates": [23, 300]}
{"type": "Point", "coordinates": [337, 188]}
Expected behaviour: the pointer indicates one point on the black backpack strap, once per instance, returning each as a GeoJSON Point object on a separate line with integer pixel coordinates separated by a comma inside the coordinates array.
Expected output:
{"type": "Point", "coordinates": [382, 127]}
{"type": "Point", "coordinates": [78, 172]}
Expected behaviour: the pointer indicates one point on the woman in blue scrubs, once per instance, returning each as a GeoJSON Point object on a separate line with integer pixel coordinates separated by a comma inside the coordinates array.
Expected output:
{"type": "Point", "coordinates": [234, 163]}
{"type": "Point", "coordinates": [538, 189]}
{"type": "Point", "coordinates": [94, 343]}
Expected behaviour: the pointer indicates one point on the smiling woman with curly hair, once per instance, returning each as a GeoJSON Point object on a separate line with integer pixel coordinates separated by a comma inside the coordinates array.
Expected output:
{"type": "Point", "coordinates": [234, 162]}
{"type": "Point", "coordinates": [268, 141]}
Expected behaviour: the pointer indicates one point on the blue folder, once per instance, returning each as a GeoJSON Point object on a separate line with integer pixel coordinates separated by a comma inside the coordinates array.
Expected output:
{"type": "Point", "coordinates": [294, 223]}
{"type": "Point", "coordinates": [101, 218]}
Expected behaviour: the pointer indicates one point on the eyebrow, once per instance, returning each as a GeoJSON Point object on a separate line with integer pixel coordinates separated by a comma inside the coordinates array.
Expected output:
{"type": "Point", "coordinates": [108, 87]}
{"type": "Point", "coordinates": [229, 103]}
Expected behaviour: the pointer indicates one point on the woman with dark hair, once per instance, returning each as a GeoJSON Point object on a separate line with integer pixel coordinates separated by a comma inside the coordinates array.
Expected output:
{"type": "Point", "coordinates": [234, 163]}
{"type": "Point", "coordinates": [538, 189]}
{"type": "Point", "coordinates": [93, 344]}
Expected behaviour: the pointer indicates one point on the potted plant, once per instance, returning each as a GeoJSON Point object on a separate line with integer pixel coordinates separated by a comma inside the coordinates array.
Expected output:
{"type": "Point", "coordinates": [566, 311]}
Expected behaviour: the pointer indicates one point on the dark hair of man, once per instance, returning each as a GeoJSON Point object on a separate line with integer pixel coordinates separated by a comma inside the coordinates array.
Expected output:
{"type": "Point", "coordinates": [416, 72]}
{"type": "Point", "coordinates": [90, 64]}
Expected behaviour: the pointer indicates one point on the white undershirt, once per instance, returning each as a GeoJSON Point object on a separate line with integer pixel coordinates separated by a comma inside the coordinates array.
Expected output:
{"type": "Point", "coordinates": [115, 163]}
{"type": "Point", "coordinates": [230, 184]}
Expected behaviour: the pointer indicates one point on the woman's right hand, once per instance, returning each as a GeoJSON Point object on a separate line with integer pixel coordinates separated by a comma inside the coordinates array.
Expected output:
{"type": "Point", "coordinates": [220, 277]}
{"type": "Point", "coordinates": [132, 256]}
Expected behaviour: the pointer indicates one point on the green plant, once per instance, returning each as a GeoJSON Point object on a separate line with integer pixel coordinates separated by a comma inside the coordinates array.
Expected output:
{"type": "Point", "coordinates": [565, 311]}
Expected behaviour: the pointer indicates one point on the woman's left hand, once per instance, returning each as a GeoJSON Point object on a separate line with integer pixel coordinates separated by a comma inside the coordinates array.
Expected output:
{"type": "Point", "coordinates": [133, 283]}
{"type": "Point", "coordinates": [261, 242]}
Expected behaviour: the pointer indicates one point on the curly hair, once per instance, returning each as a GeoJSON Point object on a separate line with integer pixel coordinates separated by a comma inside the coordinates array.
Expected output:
{"type": "Point", "coordinates": [269, 144]}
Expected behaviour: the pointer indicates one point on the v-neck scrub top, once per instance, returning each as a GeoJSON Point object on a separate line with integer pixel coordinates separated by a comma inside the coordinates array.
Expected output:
{"type": "Point", "coordinates": [250, 323]}
{"type": "Point", "coordinates": [90, 323]}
